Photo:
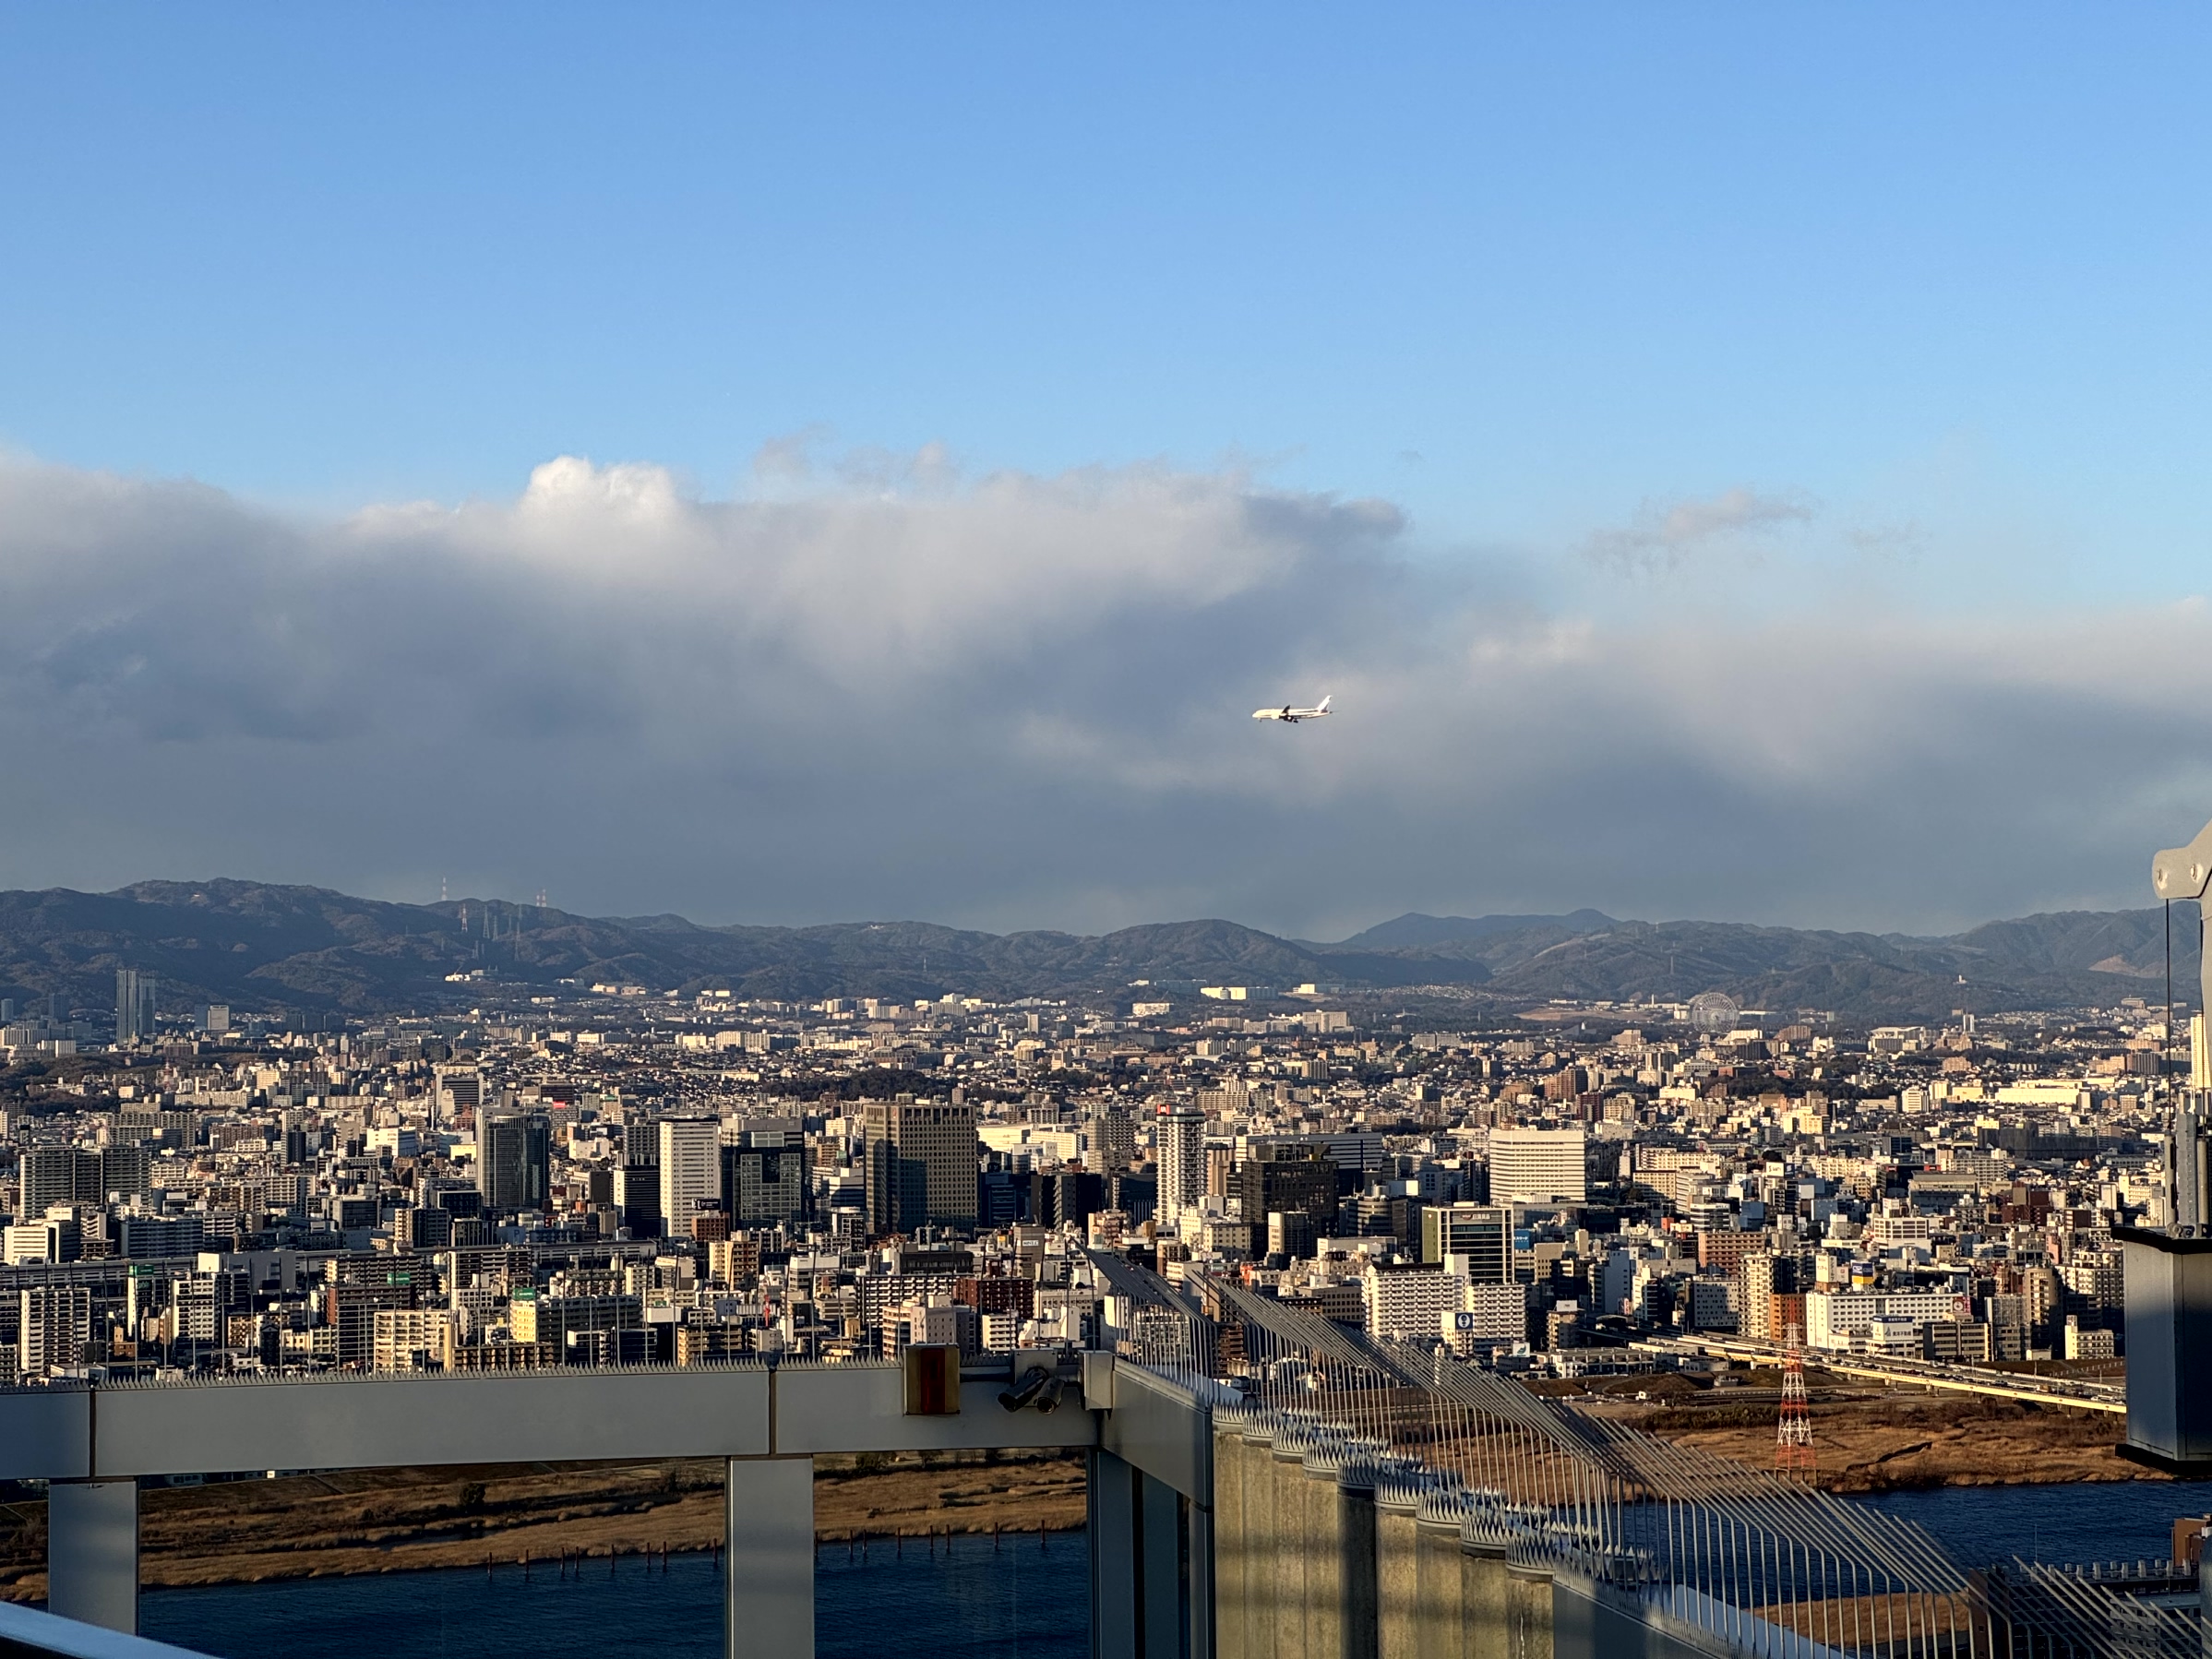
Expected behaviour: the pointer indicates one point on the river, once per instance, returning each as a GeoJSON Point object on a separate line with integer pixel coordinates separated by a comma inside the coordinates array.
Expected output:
{"type": "Point", "coordinates": [968, 1600]}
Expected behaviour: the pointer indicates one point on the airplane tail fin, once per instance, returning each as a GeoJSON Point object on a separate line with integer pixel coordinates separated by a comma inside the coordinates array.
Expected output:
{"type": "Point", "coordinates": [1324, 704]}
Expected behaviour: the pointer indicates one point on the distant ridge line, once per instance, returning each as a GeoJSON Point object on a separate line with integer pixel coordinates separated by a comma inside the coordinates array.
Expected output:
{"type": "Point", "coordinates": [264, 945]}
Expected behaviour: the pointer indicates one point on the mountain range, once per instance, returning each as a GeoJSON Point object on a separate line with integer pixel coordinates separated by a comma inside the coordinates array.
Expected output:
{"type": "Point", "coordinates": [262, 947]}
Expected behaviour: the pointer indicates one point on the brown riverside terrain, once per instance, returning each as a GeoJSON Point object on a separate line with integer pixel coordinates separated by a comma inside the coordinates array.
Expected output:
{"type": "Point", "coordinates": [390, 1521]}
{"type": "Point", "coordinates": [1879, 1439]}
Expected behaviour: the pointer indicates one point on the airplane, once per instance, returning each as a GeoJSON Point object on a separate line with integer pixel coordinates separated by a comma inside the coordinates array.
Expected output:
{"type": "Point", "coordinates": [1292, 716]}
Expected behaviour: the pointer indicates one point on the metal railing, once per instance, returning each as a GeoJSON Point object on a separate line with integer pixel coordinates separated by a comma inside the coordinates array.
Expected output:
{"type": "Point", "coordinates": [1762, 1563]}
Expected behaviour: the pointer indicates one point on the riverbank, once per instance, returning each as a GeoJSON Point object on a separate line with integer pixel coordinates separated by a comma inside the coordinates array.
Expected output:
{"type": "Point", "coordinates": [1885, 1439]}
{"type": "Point", "coordinates": [351, 1523]}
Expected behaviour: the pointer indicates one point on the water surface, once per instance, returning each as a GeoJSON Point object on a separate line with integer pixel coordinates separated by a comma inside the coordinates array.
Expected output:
{"type": "Point", "coordinates": [970, 1600]}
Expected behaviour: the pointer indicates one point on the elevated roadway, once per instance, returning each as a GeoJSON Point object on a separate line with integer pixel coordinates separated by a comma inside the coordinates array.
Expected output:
{"type": "Point", "coordinates": [95, 1443]}
{"type": "Point", "coordinates": [2071, 1393]}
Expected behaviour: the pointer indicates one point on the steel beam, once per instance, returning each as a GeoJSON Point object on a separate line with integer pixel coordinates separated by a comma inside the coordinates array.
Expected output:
{"type": "Point", "coordinates": [1112, 1516]}
{"type": "Point", "coordinates": [544, 1416]}
{"type": "Point", "coordinates": [767, 1583]}
{"type": "Point", "coordinates": [92, 1552]}
{"type": "Point", "coordinates": [1160, 1544]}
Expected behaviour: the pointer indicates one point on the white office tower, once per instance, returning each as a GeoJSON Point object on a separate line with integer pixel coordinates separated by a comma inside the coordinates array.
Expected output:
{"type": "Point", "coordinates": [1180, 1148]}
{"type": "Point", "coordinates": [690, 1170]}
{"type": "Point", "coordinates": [1538, 1166]}
{"type": "Point", "coordinates": [2200, 1053]}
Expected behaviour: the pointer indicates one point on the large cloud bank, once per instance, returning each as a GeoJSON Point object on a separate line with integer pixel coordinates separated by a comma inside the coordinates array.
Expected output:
{"type": "Point", "coordinates": [1022, 701]}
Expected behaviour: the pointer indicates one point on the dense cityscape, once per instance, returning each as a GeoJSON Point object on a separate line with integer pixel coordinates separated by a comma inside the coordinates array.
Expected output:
{"type": "Point", "coordinates": [612, 1175]}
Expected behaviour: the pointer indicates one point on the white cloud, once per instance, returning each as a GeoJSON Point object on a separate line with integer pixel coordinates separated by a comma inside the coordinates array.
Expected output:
{"type": "Point", "coordinates": [1666, 534]}
{"type": "Point", "coordinates": [1024, 700]}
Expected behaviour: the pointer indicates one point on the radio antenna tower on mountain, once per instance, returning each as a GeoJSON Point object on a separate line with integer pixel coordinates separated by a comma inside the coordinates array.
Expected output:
{"type": "Point", "coordinates": [1793, 1429]}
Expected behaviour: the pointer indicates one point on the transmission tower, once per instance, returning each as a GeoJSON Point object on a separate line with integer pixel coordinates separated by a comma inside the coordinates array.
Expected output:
{"type": "Point", "coordinates": [1793, 1429]}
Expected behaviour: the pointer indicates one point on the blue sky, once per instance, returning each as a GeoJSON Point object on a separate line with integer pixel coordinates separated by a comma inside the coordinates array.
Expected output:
{"type": "Point", "coordinates": [1944, 264]}
{"type": "Point", "coordinates": [1919, 290]}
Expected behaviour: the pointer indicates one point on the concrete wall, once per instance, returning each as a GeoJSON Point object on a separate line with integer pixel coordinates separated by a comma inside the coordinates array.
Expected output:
{"type": "Point", "coordinates": [1397, 1576]}
{"type": "Point", "coordinates": [1376, 1577]}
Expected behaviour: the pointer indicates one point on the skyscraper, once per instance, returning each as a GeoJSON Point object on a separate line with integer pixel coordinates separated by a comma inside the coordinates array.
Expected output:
{"type": "Point", "coordinates": [764, 1175]}
{"type": "Point", "coordinates": [1538, 1166]}
{"type": "Point", "coordinates": [1180, 1148]}
{"type": "Point", "coordinates": [921, 1164]}
{"type": "Point", "coordinates": [1482, 1233]}
{"type": "Point", "coordinates": [1286, 1175]}
{"type": "Point", "coordinates": [690, 1160]}
{"type": "Point", "coordinates": [62, 1174]}
{"type": "Point", "coordinates": [514, 1152]}
{"type": "Point", "coordinates": [55, 1322]}
{"type": "Point", "coordinates": [1109, 1141]}
{"type": "Point", "coordinates": [134, 1005]}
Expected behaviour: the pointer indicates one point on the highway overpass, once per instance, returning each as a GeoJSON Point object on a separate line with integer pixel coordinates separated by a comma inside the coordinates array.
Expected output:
{"type": "Point", "coordinates": [2072, 1392]}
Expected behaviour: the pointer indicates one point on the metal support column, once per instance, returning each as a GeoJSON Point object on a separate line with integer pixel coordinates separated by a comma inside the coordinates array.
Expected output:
{"type": "Point", "coordinates": [768, 1585]}
{"type": "Point", "coordinates": [92, 1552]}
{"type": "Point", "coordinates": [1161, 1540]}
{"type": "Point", "coordinates": [1112, 1515]}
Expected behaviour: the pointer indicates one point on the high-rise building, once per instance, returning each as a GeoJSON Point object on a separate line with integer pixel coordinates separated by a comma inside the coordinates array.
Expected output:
{"type": "Point", "coordinates": [134, 1005]}
{"type": "Point", "coordinates": [1110, 1141]}
{"type": "Point", "coordinates": [920, 1164]}
{"type": "Point", "coordinates": [640, 1142]}
{"type": "Point", "coordinates": [1538, 1166]}
{"type": "Point", "coordinates": [1481, 1233]}
{"type": "Point", "coordinates": [1763, 1281]}
{"type": "Point", "coordinates": [427, 1228]}
{"type": "Point", "coordinates": [1405, 1303]}
{"type": "Point", "coordinates": [157, 1234]}
{"type": "Point", "coordinates": [1179, 1149]}
{"type": "Point", "coordinates": [514, 1155]}
{"type": "Point", "coordinates": [55, 1238]}
{"type": "Point", "coordinates": [458, 1089]}
{"type": "Point", "coordinates": [128, 1170]}
{"type": "Point", "coordinates": [56, 1327]}
{"type": "Point", "coordinates": [1288, 1176]}
{"type": "Point", "coordinates": [690, 1160]}
{"type": "Point", "coordinates": [637, 1198]}
{"type": "Point", "coordinates": [764, 1178]}
{"type": "Point", "coordinates": [63, 1175]}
